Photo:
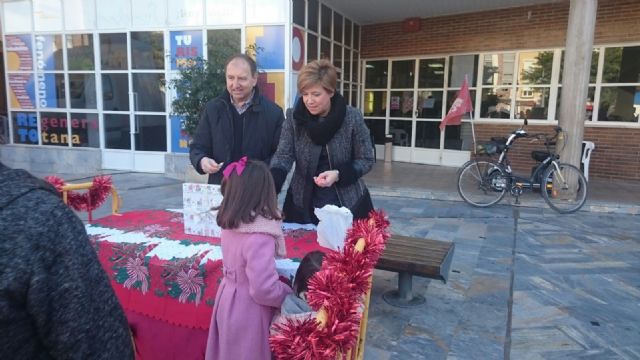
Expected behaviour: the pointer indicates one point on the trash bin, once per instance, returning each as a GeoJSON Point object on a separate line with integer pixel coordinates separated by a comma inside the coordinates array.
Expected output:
{"type": "Point", "coordinates": [388, 142]}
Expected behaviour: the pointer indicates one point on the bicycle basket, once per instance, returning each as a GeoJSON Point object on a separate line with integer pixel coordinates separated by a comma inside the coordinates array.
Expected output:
{"type": "Point", "coordinates": [495, 146]}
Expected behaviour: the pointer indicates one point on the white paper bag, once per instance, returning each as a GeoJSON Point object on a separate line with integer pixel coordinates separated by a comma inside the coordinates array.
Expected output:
{"type": "Point", "coordinates": [333, 226]}
{"type": "Point", "coordinates": [197, 201]}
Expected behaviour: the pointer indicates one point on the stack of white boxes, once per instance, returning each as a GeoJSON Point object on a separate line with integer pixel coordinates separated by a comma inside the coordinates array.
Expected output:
{"type": "Point", "coordinates": [198, 201]}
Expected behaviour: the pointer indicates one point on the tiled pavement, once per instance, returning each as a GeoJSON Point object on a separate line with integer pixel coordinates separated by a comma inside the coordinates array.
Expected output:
{"type": "Point", "coordinates": [526, 283]}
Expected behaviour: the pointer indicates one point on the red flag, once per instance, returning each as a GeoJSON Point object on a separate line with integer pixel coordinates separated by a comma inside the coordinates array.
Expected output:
{"type": "Point", "coordinates": [460, 106]}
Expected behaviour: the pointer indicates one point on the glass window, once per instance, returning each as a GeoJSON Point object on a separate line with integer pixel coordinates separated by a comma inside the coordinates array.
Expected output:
{"type": "Point", "coordinates": [347, 32]}
{"type": "Point", "coordinates": [354, 95]}
{"type": "Point", "coordinates": [496, 103]}
{"type": "Point", "coordinates": [377, 129]}
{"type": "Point", "coordinates": [498, 69]}
{"type": "Point", "coordinates": [375, 103]}
{"type": "Point", "coordinates": [53, 127]}
{"type": "Point", "coordinates": [22, 90]}
{"type": "Point", "coordinates": [532, 103]}
{"type": "Point", "coordinates": [147, 50]}
{"type": "Point", "coordinates": [82, 91]}
{"type": "Point", "coordinates": [325, 49]}
{"type": "Point", "coordinates": [117, 131]}
{"type": "Point", "coordinates": [25, 127]}
{"type": "Point", "coordinates": [312, 47]}
{"type": "Point", "coordinates": [594, 65]}
{"type": "Point", "coordinates": [326, 21]}
{"type": "Point", "coordinates": [401, 131]}
{"type": "Point", "coordinates": [50, 57]}
{"type": "Point", "coordinates": [337, 27]}
{"type": "Point", "coordinates": [431, 73]}
{"type": "Point", "coordinates": [115, 92]}
{"type": "Point", "coordinates": [85, 130]}
{"type": "Point", "coordinates": [356, 67]}
{"type": "Point", "coordinates": [402, 74]}
{"type": "Point", "coordinates": [401, 104]}
{"type": "Point", "coordinates": [152, 135]}
{"type": "Point", "coordinates": [113, 51]}
{"type": "Point", "coordinates": [534, 67]}
{"type": "Point", "coordinates": [149, 92]}
{"type": "Point", "coordinates": [347, 65]}
{"type": "Point", "coordinates": [458, 137]}
{"type": "Point", "coordinates": [80, 52]}
{"type": "Point", "coordinates": [222, 44]}
{"type": "Point", "coordinates": [346, 93]}
{"type": "Point", "coordinates": [588, 114]}
{"type": "Point", "coordinates": [619, 103]}
{"type": "Point", "coordinates": [51, 90]}
{"type": "Point", "coordinates": [356, 36]}
{"type": "Point", "coordinates": [376, 74]}
{"type": "Point", "coordinates": [430, 104]}
{"type": "Point", "coordinates": [461, 66]}
{"type": "Point", "coordinates": [621, 65]}
{"type": "Point", "coordinates": [337, 57]}
{"type": "Point", "coordinates": [312, 16]}
{"type": "Point", "coordinates": [298, 12]}
{"type": "Point", "coordinates": [428, 134]}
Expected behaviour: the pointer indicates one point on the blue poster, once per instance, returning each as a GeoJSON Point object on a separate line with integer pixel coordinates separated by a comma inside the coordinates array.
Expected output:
{"type": "Point", "coordinates": [47, 92]}
{"type": "Point", "coordinates": [185, 45]}
{"type": "Point", "coordinates": [179, 136]}
{"type": "Point", "coordinates": [271, 48]}
{"type": "Point", "coordinates": [46, 53]}
{"type": "Point", "coordinates": [25, 127]}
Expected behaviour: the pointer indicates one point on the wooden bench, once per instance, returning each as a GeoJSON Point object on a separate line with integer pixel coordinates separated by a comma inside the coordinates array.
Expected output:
{"type": "Point", "coordinates": [410, 256]}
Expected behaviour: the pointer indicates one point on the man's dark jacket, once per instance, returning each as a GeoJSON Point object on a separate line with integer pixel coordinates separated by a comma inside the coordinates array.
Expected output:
{"type": "Point", "coordinates": [214, 136]}
{"type": "Point", "coordinates": [55, 299]}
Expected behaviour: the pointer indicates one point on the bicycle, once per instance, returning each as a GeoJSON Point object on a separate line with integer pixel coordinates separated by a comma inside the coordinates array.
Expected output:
{"type": "Point", "coordinates": [483, 183]}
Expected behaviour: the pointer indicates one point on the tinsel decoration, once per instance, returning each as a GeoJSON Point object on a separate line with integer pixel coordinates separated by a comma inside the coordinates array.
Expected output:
{"type": "Point", "coordinates": [89, 200]}
{"type": "Point", "coordinates": [336, 290]}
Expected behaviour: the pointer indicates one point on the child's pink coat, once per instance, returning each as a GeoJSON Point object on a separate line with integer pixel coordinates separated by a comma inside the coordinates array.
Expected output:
{"type": "Point", "coordinates": [247, 299]}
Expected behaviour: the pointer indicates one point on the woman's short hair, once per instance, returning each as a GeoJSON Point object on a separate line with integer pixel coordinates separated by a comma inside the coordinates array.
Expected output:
{"type": "Point", "coordinates": [318, 72]}
{"type": "Point", "coordinates": [246, 58]}
{"type": "Point", "coordinates": [310, 264]}
{"type": "Point", "coordinates": [248, 195]}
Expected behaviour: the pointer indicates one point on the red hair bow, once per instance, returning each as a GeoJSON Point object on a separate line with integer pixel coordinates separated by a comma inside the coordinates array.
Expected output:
{"type": "Point", "coordinates": [237, 165]}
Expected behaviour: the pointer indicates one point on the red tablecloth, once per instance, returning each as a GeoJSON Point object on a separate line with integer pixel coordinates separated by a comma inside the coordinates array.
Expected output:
{"type": "Point", "coordinates": [168, 298]}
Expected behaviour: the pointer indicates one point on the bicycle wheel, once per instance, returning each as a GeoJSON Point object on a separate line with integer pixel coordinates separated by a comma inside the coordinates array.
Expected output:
{"type": "Point", "coordinates": [565, 191]}
{"type": "Point", "coordinates": [481, 183]}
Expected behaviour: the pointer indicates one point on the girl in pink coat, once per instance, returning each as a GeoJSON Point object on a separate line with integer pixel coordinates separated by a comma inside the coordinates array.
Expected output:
{"type": "Point", "coordinates": [250, 292]}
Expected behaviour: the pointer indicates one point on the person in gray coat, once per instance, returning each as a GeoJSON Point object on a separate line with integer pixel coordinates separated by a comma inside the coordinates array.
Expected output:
{"type": "Point", "coordinates": [330, 144]}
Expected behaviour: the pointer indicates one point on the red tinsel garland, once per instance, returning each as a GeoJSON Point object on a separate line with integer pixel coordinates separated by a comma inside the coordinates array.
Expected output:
{"type": "Point", "coordinates": [88, 201]}
{"type": "Point", "coordinates": [338, 288]}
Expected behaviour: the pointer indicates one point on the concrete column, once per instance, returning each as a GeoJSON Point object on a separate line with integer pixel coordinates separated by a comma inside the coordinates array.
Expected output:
{"type": "Point", "coordinates": [575, 77]}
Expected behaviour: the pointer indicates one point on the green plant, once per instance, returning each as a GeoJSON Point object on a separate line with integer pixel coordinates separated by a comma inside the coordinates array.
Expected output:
{"type": "Point", "coordinates": [199, 82]}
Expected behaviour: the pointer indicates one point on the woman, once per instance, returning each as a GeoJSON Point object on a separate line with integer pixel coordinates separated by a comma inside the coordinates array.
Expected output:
{"type": "Point", "coordinates": [330, 144]}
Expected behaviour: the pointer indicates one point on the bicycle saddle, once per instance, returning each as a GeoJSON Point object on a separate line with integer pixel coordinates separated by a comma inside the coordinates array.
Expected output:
{"type": "Point", "coordinates": [539, 155]}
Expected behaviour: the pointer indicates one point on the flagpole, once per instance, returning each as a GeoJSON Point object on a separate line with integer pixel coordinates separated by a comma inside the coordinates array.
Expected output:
{"type": "Point", "coordinates": [473, 131]}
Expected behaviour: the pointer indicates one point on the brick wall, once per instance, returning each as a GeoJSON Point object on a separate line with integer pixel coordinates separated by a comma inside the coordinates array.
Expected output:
{"type": "Point", "coordinates": [617, 153]}
{"type": "Point", "coordinates": [616, 156]}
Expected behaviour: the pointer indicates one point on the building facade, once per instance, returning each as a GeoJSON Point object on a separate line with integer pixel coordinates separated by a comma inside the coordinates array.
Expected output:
{"type": "Point", "coordinates": [86, 79]}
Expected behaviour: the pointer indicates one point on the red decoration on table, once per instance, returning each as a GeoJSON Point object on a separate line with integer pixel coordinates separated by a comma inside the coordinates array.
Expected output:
{"type": "Point", "coordinates": [338, 288]}
{"type": "Point", "coordinates": [88, 201]}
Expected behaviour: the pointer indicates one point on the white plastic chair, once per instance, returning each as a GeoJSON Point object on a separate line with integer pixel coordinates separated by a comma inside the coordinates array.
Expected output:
{"type": "Point", "coordinates": [587, 148]}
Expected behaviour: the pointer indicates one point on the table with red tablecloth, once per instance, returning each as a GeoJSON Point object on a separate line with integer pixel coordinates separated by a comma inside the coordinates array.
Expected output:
{"type": "Point", "coordinates": [167, 280]}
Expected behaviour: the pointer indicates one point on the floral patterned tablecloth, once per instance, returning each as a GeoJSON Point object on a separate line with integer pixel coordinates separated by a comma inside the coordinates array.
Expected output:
{"type": "Point", "coordinates": [161, 274]}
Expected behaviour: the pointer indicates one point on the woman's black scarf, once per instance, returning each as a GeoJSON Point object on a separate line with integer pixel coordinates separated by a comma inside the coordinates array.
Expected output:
{"type": "Point", "coordinates": [321, 132]}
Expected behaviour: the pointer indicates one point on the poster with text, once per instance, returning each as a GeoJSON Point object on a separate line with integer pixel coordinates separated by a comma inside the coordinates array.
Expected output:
{"type": "Point", "coordinates": [22, 91]}
{"type": "Point", "coordinates": [185, 45]}
{"type": "Point", "coordinates": [179, 136]}
{"type": "Point", "coordinates": [19, 53]}
{"type": "Point", "coordinates": [269, 41]}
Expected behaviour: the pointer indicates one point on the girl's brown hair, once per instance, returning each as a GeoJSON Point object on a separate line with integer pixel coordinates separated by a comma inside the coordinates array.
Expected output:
{"type": "Point", "coordinates": [310, 264]}
{"type": "Point", "coordinates": [247, 196]}
{"type": "Point", "coordinates": [318, 72]}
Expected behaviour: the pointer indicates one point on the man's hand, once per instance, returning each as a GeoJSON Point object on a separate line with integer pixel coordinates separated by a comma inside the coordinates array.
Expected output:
{"type": "Point", "coordinates": [326, 178]}
{"type": "Point", "coordinates": [209, 166]}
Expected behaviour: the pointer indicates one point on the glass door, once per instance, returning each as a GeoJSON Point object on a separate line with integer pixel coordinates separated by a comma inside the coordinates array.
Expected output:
{"type": "Point", "coordinates": [133, 101]}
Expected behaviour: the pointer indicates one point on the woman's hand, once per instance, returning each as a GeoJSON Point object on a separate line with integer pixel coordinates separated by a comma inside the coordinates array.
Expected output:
{"type": "Point", "coordinates": [327, 178]}
{"type": "Point", "coordinates": [210, 166]}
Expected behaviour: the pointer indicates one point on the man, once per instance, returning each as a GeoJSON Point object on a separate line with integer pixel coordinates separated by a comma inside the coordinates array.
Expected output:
{"type": "Point", "coordinates": [239, 122]}
{"type": "Point", "coordinates": [55, 299]}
